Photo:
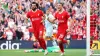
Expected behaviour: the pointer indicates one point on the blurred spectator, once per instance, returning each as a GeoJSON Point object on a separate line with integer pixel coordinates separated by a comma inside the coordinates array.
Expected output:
{"type": "Point", "coordinates": [26, 35]}
{"type": "Point", "coordinates": [1, 34]}
{"type": "Point", "coordinates": [11, 23]}
{"type": "Point", "coordinates": [9, 34]}
{"type": "Point", "coordinates": [19, 33]}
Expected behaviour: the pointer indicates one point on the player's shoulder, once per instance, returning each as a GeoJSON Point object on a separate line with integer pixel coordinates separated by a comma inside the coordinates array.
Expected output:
{"type": "Point", "coordinates": [65, 11]}
{"type": "Point", "coordinates": [39, 10]}
{"type": "Point", "coordinates": [29, 12]}
{"type": "Point", "coordinates": [56, 12]}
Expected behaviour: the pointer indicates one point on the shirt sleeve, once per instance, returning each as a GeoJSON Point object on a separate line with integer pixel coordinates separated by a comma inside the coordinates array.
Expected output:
{"type": "Point", "coordinates": [55, 15]}
{"type": "Point", "coordinates": [42, 14]}
{"type": "Point", "coordinates": [27, 15]}
{"type": "Point", "coordinates": [67, 15]}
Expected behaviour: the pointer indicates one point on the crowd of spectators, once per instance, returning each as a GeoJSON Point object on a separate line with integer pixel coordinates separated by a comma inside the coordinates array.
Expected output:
{"type": "Point", "coordinates": [14, 24]}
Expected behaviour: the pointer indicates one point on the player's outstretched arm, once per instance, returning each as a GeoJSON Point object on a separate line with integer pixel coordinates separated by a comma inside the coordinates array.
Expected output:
{"type": "Point", "coordinates": [52, 20]}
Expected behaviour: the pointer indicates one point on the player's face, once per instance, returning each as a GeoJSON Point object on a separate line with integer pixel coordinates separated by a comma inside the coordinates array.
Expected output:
{"type": "Point", "coordinates": [34, 7]}
{"type": "Point", "coordinates": [59, 7]}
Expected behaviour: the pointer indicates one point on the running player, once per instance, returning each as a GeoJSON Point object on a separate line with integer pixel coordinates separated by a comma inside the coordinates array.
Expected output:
{"type": "Point", "coordinates": [36, 17]}
{"type": "Point", "coordinates": [62, 16]}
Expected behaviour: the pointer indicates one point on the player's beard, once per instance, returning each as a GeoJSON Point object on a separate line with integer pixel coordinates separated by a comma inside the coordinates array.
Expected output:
{"type": "Point", "coordinates": [59, 9]}
{"type": "Point", "coordinates": [34, 9]}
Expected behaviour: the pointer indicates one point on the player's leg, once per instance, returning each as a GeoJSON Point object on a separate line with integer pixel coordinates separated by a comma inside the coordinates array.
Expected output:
{"type": "Point", "coordinates": [67, 42]}
{"type": "Point", "coordinates": [64, 41]}
{"type": "Point", "coordinates": [42, 40]}
{"type": "Point", "coordinates": [60, 37]}
{"type": "Point", "coordinates": [54, 41]}
{"type": "Point", "coordinates": [49, 34]}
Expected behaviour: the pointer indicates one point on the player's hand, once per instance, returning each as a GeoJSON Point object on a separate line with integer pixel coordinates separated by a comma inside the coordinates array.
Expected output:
{"type": "Point", "coordinates": [44, 17]}
{"type": "Point", "coordinates": [42, 21]}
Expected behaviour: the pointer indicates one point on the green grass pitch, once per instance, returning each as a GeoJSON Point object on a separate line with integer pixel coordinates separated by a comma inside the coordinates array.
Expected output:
{"type": "Point", "coordinates": [97, 51]}
{"type": "Point", "coordinates": [68, 52]}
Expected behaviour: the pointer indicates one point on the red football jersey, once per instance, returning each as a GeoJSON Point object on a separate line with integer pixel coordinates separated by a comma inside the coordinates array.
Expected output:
{"type": "Point", "coordinates": [36, 18]}
{"type": "Point", "coordinates": [62, 20]}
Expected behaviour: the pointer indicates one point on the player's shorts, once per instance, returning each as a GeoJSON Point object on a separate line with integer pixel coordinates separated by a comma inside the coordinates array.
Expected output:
{"type": "Point", "coordinates": [39, 33]}
{"type": "Point", "coordinates": [49, 31]}
{"type": "Point", "coordinates": [61, 35]}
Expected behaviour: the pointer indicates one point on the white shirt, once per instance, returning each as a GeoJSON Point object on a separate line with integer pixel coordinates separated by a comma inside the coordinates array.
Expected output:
{"type": "Point", "coordinates": [47, 23]}
{"type": "Point", "coordinates": [23, 28]}
{"type": "Point", "coordinates": [26, 35]}
{"type": "Point", "coordinates": [9, 35]}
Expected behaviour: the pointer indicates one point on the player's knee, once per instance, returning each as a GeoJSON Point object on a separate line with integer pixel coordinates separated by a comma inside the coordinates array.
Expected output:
{"type": "Point", "coordinates": [40, 37]}
{"type": "Point", "coordinates": [59, 41]}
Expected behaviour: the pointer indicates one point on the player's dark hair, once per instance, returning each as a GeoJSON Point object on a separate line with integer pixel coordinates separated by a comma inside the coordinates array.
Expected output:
{"type": "Point", "coordinates": [35, 4]}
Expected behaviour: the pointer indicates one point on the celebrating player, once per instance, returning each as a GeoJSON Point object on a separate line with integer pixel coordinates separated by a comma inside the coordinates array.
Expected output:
{"type": "Point", "coordinates": [36, 17]}
{"type": "Point", "coordinates": [62, 16]}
